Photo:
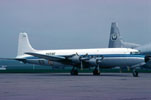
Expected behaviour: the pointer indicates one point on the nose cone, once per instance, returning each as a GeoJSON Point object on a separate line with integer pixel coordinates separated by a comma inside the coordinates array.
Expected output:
{"type": "Point", "coordinates": [147, 58]}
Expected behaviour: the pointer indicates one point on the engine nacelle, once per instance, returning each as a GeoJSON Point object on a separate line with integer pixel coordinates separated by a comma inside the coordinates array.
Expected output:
{"type": "Point", "coordinates": [75, 59]}
{"type": "Point", "coordinates": [95, 61]}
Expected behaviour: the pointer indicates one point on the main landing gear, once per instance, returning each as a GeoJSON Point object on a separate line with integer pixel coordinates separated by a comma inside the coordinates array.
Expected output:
{"type": "Point", "coordinates": [74, 71]}
{"type": "Point", "coordinates": [135, 73]}
{"type": "Point", "coordinates": [96, 71]}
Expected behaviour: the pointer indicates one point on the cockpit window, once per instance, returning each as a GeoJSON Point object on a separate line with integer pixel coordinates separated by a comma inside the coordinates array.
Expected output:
{"type": "Point", "coordinates": [135, 52]}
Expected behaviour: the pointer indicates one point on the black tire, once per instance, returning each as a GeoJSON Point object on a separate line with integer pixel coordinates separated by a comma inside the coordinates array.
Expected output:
{"type": "Point", "coordinates": [74, 72]}
{"type": "Point", "coordinates": [135, 73]}
{"type": "Point", "coordinates": [96, 72]}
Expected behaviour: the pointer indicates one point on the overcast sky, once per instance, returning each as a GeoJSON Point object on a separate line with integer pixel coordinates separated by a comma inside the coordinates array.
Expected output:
{"type": "Point", "coordinates": [66, 24]}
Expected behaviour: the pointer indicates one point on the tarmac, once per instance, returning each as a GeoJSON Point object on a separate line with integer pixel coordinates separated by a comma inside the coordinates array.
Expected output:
{"type": "Point", "coordinates": [62, 86]}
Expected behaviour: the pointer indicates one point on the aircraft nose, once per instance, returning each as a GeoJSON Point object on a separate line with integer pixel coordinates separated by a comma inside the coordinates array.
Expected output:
{"type": "Point", "coordinates": [147, 58]}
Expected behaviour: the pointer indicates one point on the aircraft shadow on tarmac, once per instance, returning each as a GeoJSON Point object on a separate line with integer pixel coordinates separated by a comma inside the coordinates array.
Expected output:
{"type": "Point", "coordinates": [87, 74]}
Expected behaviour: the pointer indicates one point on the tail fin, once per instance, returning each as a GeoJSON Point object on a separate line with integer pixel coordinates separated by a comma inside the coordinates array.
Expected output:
{"type": "Point", "coordinates": [115, 40]}
{"type": "Point", "coordinates": [24, 44]}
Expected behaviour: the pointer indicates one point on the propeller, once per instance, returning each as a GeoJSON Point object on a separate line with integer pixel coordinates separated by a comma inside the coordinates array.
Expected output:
{"type": "Point", "coordinates": [81, 66]}
{"type": "Point", "coordinates": [82, 58]}
{"type": "Point", "coordinates": [76, 58]}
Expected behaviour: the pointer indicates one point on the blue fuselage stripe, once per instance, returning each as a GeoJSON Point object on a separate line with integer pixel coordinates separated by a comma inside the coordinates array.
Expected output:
{"type": "Point", "coordinates": [104, 55]}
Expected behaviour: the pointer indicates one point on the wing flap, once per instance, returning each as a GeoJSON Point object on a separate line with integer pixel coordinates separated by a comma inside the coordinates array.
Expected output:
{"type": "Point", "coordinates": [52, 58]}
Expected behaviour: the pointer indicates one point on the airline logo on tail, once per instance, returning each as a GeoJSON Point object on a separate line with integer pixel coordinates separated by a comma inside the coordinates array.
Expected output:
{"type": "Point", "coordinates": [114, 37]}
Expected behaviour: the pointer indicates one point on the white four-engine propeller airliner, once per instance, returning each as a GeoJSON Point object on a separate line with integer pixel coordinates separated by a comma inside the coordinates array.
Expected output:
{"type": "Point", "coordinates": [80, 58]}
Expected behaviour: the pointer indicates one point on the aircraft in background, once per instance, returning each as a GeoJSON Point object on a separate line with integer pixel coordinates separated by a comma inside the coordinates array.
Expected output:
{"type": "Point", "coordinates": [115, 41]}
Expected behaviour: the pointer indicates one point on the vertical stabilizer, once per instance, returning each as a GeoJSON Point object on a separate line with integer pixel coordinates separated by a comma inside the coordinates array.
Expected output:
{"type": "Point", "coordinates": [114, 41]}
{"type": "Point", "coordinates": [24, 44]}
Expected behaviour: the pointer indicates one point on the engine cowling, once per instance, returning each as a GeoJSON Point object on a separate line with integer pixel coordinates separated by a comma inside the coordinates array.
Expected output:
{"type": "Point", "coordinates": [95, 61]}
{"type": "Point", "coordinates": [78, 59]}
{"type": "Point", "coordinates": [75, 59]}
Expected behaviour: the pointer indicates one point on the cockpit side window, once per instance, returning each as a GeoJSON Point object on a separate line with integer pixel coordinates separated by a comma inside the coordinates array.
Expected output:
{"type": "Point", "coordinates": [135, 53]}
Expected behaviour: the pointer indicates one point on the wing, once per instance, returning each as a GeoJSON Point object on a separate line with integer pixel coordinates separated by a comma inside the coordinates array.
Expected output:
{"type": "Point", "coordinates": [52, 58]}
{"type": "Point", "coordinates": [138, 65]}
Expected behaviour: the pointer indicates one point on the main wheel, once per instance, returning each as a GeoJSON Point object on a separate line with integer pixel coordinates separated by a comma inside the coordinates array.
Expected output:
{"type": "Point", "coordinates": [96, 72]}
{"type": "Point", "coordinates": [135, 73]}
{"type": "Point", "coordinates": [74, 72]}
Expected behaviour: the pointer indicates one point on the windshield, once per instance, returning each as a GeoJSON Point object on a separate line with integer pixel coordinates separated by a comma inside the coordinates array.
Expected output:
{"type": "Point", "coordinates": [135, 52]}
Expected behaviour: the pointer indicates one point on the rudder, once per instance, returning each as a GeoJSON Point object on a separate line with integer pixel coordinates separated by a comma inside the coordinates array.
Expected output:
{"type": "Point", "coordinates": [24, 44]}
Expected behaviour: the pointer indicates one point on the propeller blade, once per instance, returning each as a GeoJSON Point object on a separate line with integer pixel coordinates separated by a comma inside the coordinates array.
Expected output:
{"type": "Point", "coordinates": [81, 65]}
{"type": "Point", "coordinates": [77, 54]}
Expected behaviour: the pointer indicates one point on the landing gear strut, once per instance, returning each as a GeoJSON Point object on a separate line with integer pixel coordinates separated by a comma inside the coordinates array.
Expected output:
{"type": "Point", "coordinates": [74, 71]}
{"type": "Point", "coordinates": [96, 71]}
{"type": "Point", "coordinates": [135, 73]}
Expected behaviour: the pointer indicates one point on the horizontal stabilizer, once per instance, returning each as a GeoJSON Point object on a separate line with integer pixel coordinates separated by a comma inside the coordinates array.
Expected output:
{"type": "Point", "coordinates": [18, 59]}
{"type": "Point", "coordinates": [129, 45]}
{"type": "Point", "coordinates": [145, 49]}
